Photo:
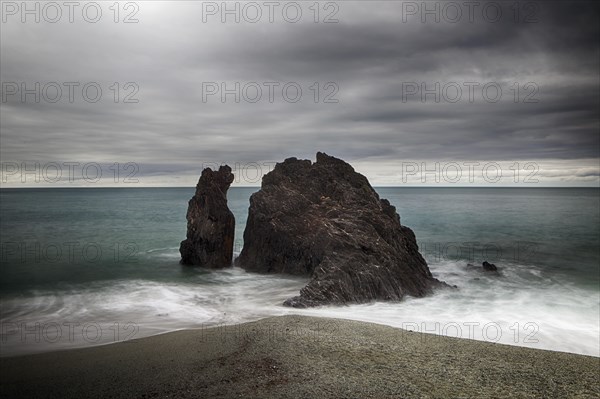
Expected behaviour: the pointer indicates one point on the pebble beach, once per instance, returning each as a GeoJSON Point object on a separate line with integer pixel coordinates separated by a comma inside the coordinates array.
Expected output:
{"type": "Point", "coordinates": [301, 357]}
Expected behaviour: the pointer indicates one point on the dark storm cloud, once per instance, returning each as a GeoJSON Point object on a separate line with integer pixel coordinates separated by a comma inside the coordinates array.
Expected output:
{"type": "Point", "coordinates": [371, 55]}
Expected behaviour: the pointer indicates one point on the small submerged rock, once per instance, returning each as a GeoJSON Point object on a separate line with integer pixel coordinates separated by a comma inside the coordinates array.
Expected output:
{"type": "Point", "coordinates": [324, 220]}
{"type": "Point", "coordinates": [210, 223]}
{"type": "Point", "coordinates": [485, 266]}
{"type": "Point", "coordinates": [489, 267]}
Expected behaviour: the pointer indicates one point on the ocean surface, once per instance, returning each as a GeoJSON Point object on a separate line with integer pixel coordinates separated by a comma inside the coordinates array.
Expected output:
{"type": "Point", "coordinates": [90, 266]}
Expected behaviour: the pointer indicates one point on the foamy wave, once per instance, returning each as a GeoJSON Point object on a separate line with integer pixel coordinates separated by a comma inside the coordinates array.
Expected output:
{"type": "Point", "coordinates": [521, 307]}
{"type": "Point", "coordinates": [220, 297]}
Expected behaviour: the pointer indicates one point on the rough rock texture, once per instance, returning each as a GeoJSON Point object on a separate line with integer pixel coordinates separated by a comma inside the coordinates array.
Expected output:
{"type": "Point", "coordinates": [325, 220]}
{"type": "Point", "coordinates": [210, 223]}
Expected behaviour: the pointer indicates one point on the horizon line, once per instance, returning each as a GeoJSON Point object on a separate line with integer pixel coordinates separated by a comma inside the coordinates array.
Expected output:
{"type": "Point", "coordinates": [374, 186]}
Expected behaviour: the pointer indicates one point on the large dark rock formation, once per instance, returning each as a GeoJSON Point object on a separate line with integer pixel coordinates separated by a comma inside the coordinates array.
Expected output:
{"type": "Point", "coordinates": [325, 220]}
{"type": "Point", "coordinates": [210, 223]}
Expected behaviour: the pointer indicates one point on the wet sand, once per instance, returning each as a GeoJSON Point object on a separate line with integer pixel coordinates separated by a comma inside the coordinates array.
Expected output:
{"type": "Point", "coordinates": [301, 357]}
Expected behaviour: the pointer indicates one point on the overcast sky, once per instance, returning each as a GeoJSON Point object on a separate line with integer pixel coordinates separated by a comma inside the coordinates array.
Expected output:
{"type": "Point", "coordinates": [367, 72]}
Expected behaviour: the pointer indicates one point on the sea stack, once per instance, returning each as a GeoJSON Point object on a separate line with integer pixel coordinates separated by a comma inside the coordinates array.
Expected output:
{"type": "Point", "coordinates": [210, 223]}
{"type": "Point", "coordinates": [324, 220]}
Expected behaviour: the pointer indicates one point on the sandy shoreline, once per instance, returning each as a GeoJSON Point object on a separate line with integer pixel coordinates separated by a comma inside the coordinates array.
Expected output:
{"type": "Point", "coordinates": [306, 357]}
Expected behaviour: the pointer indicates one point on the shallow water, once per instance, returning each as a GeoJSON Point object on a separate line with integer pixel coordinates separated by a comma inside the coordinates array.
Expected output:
{"type": "Point", "coordinates": [93, 266]}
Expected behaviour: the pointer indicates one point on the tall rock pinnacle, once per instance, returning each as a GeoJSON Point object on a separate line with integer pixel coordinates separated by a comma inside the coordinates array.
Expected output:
{"type": "Point", "coordinates": [210, 223]}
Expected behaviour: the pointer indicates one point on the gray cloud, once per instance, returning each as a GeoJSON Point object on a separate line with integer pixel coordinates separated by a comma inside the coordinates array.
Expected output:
{"type": "Point", "coordinates": [370, 56]}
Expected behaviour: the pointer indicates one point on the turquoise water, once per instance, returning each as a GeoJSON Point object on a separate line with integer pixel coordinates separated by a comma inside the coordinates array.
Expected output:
{"type": "Point", "coordinates": [110, 257]}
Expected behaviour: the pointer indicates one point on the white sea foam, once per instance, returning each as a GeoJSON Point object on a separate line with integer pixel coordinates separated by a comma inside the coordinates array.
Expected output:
{"type": "Point", "coordinates": [521, 307]}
